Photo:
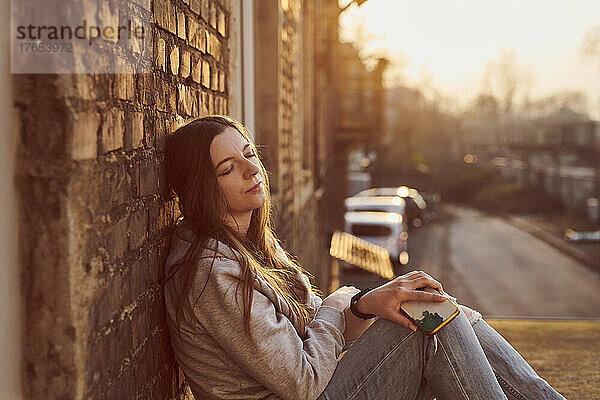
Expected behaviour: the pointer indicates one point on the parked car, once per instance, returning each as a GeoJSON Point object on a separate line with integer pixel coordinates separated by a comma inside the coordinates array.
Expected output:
{"type": "Point", "coordinates": [381, 228]}
{"type": "Point", "coordinates": [390, 204]}
{"type": "Point", "coordinates": [416, 207]}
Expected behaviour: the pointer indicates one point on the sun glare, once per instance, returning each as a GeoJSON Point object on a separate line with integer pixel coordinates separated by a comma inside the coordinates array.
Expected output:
{"type": "Point", "coordinates": [447, 44]}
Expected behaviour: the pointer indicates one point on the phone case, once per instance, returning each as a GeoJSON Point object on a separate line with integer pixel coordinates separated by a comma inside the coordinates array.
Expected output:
{"type": "Point", "coordinates": [430, 317]}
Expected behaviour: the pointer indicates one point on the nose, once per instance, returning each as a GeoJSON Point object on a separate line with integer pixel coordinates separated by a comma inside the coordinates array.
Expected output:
{"type": "Point", "coordinates": [251, 169]}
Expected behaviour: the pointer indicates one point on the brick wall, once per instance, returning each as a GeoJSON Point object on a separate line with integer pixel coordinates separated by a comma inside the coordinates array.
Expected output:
{"type": "Point", "coordinates": [299, 222]}
{"type": "Point", "coordinates": [94, 215]}
{"type": "Point", "coordinates": [285, 47]}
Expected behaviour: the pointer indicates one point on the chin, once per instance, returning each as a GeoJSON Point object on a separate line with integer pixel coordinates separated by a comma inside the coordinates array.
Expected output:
{"type": "Point", "coordinates": [260, 200]}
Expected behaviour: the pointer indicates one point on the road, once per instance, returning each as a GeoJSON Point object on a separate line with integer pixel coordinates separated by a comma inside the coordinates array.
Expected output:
{"type": "Point", "coordinates": [496, 268]}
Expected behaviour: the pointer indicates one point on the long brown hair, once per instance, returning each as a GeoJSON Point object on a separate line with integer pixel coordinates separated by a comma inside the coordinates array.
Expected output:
{"type": "Point", "coordinates": [190, 173]}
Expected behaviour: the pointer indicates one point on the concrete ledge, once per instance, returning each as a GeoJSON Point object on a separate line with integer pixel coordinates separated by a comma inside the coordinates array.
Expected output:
{"type": "Point", "coordinates": [565, 353]}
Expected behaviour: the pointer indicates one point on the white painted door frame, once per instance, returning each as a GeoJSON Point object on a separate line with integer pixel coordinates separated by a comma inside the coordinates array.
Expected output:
{"type": "Point", "coordinates": [241, 64]}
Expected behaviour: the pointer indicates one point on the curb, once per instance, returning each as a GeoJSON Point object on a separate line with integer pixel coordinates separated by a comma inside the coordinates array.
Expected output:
{"type": "Point", "coordinates": [552, 240]}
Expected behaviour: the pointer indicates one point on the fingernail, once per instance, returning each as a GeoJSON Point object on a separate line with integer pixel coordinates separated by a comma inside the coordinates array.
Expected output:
{"type": "Point", "coordinates": [414, 328]}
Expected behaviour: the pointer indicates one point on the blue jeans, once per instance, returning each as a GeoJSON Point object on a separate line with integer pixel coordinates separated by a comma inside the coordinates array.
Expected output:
{"type": "Point", "coordinates": [465, 360]}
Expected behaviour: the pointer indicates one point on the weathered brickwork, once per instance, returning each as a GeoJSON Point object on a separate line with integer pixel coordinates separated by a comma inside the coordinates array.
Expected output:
{"type": "Point", "coordinates": [95, 215]}
{"type": "Point", "coordinates": [297, 219]}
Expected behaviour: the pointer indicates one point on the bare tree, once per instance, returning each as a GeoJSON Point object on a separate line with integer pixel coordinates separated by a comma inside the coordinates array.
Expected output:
{"type": "Point", "coordinates": [503, 79]}
{"type": "Point", "coordinates": [484, 107]}
{"type": "Point", "coordinates": [573, 100]}
{"type": "Point", "coordinates": [591, 43]}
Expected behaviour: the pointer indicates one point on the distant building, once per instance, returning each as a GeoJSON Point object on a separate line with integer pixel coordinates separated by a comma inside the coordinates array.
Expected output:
{"type": "Point", "coordinates": [559, 152]}
{"type": "Point", "coordinates": [362, 114]}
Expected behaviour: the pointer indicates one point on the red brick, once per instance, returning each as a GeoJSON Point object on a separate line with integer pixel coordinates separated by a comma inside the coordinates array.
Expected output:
{"type": "Point", "coordinates": [195, 6]}
{"type": "Point", "coordinates": [211, 103]}
{"type": "Point", "coordinates": [187, 100]}
{"type": "Point", "coordinates": [156, 260]}
{"type": "Point", "coordinates": [205, 10]}
{"type": "Point", "coordinates": [146, 179]}
{"type": "Point", "coordinates": [221, 24]}
{"type": "Point", "coordinates": [197, 71]}
{"type": "Point", "coordinates": [202, 104]}
{"type": "Point", "coordinates": [146, 89]}
{"type": "Point", "coordinates": [138, 227]}
{"type": "Point", "coordinates": [185, 64]}
{"type": "Point", "coordinates": [162, 95]}
{"type": "Point", "coordinates": [214, 46]}
{"type": "Point", "coordinates": [112, 130]}
{"type": "Point", "coordinates": [134, 133]}
{"type": "Point", "coordinates": [213, 15]}
{"type": "Point", "coordinates": [160, 133]}
{"type": "Point", "coordinates": [221, 80]}
{"type": "Point", "coordinates": [206, 74]}
{"type": "Point", "coordinates": [214, 84]}
{"type": "Point", "coordinates": [124, 86]}
{"type": "Point", "coordinates": [174, 60]}
{"type": "Point", "coordinates": [181, 24]}
{"type": "Point", "coordinates": [113, 189]}
{"type": "Point", "coordinates": [164, 13]}
{"type": "Point", "coordinates": [140, 326]}
{"type": "Point", "coordinates": [80, 86]}
{"type": "Point", "coordinates": [115, 239]}
{"type": "Point", "coordinates": [125, 291]}
{"type": "Point", "coordinates": [160, 57]}
{"type": "Point", "coordinates": [138, 277]}
{"type": "Point", "coordinates": [84, 128]}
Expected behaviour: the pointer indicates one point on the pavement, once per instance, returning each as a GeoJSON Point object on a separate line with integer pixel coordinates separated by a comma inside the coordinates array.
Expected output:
{"type": "Point", "coordinates": [551, 230]}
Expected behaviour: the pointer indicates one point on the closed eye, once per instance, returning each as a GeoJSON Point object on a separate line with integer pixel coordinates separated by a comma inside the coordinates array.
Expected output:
{"type": "Point", "coordinates": [228, 171]}
{"type": "Point", "coordinates": [231, 168]}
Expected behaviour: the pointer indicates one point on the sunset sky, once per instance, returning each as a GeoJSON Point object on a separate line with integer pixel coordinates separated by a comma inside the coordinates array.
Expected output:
{"type": "Point", "coordinates": [448, 43]}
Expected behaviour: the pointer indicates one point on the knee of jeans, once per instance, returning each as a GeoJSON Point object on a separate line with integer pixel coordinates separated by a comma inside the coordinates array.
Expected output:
{"type": "Point", "coordinates": [472, 315]}
{"type": "Point", "coordinates": [431, 347]}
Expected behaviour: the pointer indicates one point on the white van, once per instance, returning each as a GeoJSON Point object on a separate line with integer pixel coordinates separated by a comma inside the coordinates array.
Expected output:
{"type": "Point", "coordinates": [381, 228]}
{"type": "Point", "coordinates": [415, 209]}
{"type": "Point", "coordinates": [393, 204]}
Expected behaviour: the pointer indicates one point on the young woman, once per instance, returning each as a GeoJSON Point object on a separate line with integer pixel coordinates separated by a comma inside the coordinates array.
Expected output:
{"type": "Point", "coordinates": [245, 322]}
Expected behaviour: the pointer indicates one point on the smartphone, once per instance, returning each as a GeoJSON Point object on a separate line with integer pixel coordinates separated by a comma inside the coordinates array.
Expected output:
{"type": "Point", "coordinates": [429, 316]}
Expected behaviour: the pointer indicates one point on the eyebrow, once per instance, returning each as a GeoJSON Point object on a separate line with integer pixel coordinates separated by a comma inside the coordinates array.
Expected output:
{"type": "Point", "coordinates": [230, 157]}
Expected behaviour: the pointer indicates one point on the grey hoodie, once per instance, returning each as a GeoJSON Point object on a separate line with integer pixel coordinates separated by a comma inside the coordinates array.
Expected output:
{"type": "Point", "coordinates": [284, 361]}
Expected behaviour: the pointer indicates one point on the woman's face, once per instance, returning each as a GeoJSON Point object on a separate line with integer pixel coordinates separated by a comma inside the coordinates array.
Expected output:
{"type": "Point", "coordinates": [238, 173]}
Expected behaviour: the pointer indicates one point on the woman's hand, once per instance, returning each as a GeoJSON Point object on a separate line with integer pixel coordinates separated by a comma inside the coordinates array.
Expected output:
{"type": "Point", "coordinates": [384, 301]}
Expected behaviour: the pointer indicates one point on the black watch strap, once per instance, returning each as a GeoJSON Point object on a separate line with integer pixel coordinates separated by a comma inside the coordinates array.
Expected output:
{"type": "Point", "coordinates": [353, 302]}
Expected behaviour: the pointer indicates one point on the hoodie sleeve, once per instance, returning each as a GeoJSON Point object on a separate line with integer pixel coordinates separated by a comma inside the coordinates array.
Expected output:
{"type": "Point", "coordinates": [277, 356]}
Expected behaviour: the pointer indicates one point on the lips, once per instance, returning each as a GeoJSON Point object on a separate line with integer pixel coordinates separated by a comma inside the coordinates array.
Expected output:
{"type": "Point", "coordinates": [254, 187]}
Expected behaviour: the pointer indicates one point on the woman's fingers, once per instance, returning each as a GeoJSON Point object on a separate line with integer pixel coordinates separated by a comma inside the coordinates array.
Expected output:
{"type": "Point", "coordinates": [400, 319]}
{"type": "Point", "coordinates": [425, 281]}
{"type": "Point", "coordinates": [419, 295]}
{"type": "Point", "coordinates": [413, 274]}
